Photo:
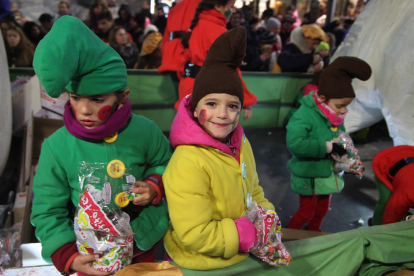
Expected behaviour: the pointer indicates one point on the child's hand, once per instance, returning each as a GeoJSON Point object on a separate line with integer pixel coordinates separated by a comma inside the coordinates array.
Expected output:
{"type": "Point", "coordinates": [338, 149]}
{"type": "Point", "coordinates": [81, 264]}
{"type": "Point", "coordinates": [146, 191]}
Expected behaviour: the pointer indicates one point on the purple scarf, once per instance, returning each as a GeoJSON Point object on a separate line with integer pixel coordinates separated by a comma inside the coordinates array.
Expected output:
{"type": "Point", "coordinates": [117, 120]}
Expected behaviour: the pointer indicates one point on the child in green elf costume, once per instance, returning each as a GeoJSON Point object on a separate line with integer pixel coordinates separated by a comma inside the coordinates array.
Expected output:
{"type": "Point", "coordinates": [99, 127]}
{"type": "Point", "coordinates": [310, 135]}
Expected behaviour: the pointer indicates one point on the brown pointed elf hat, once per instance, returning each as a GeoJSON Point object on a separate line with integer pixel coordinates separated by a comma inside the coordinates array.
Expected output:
{"type": "Point", "coordinates": [219, 71]}
{"type": "Point", "coordinates": [335, 81]}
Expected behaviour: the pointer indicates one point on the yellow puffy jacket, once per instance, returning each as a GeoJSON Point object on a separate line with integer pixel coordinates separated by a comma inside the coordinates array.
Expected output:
{"type": "Point", "coordinates": [206, 191]}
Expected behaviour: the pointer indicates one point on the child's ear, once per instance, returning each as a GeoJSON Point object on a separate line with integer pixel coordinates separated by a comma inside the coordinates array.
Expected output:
{"type": "Point", "coordinates": [195, 114]}
{"type": "Point", "coordinates": [125, 95]}
{"type": "Point", "coordinates": [322, 98]}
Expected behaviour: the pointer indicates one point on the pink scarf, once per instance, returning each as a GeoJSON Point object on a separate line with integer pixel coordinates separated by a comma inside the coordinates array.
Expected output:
{"type": "Point", "coordinates": [328, 112]}
{"type": "Point", "coordinates": [117, 120]}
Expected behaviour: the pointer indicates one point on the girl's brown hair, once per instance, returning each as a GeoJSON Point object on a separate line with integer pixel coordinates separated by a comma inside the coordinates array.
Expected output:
{"type": "Point", "coordinates": [203, 6]}
{"type": "Point", "coordinates": [112, 35]}
{"type": "Point", "coordinates": [24, 51]}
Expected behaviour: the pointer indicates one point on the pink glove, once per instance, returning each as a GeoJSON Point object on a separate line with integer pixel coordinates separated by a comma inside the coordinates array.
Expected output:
{"type": "Point", "coordinates": [247, 233]}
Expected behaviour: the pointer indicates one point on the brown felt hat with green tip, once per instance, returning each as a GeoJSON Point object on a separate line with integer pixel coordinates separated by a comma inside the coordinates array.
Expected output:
{"type": "Point", "coordinates": [335, 81]}
{"type": "Point", "coordinates": [219, 71]}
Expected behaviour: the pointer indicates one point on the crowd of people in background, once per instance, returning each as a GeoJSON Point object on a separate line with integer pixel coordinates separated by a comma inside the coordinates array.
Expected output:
{"type": "Point", "coordinates": [276, 42]}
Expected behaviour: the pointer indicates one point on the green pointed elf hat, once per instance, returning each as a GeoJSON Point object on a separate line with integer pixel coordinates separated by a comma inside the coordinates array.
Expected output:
{"type": "Point", "coordinates": [71, 56]}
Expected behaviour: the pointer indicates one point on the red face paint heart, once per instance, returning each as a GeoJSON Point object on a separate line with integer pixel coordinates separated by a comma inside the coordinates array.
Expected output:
{"type": "Point", "coordinates": [202, 117]}
{"type": "Point", "coordinates": [104, 113]}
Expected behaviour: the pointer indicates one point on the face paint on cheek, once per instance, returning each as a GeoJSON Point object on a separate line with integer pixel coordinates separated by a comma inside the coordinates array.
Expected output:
{"type": "Point", "coordinates": [236, 120]}
{"type": "Point", "coordinates": [104, 113]}
{"type": "Point", "coordinates": [73, 110]}
{"type": "Point", "coordinates": [202, 117]}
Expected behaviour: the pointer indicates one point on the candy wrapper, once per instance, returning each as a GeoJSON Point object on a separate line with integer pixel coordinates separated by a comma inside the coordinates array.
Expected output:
{"type": "Point", "coordinates": [101, 227]}
{"type": "Point", "coordinates": [10, 252]}
{"type": "Point", "coordinates": [268, 244]}
{"type": "Point", "coordinates": [350, 162]}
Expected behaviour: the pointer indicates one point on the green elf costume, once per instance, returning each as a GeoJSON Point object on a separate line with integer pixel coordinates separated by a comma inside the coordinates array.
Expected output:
{"type": "Point", "coordinates": [308, 137]}
{"type": "Point", "coordinates": [71, 56]}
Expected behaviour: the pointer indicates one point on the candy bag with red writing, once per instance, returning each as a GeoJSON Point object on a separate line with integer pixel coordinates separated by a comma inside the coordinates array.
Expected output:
{"type": "Point", "coordinates": [268, 245]}
{"type": "Point", "coordinates": [101, 227]}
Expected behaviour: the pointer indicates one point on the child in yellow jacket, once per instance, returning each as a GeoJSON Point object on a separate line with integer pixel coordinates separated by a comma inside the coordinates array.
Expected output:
{"type": "Point", "coordinates": [211, 178]}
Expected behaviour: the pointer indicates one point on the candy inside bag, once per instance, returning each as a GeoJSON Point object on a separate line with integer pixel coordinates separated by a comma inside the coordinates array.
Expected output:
{"type": "Point", "coordinates": [268, 244]}
{"type": "Point", "coordinates": [100, 225]}
{"type": "Point", "coordinates": [349, 162]}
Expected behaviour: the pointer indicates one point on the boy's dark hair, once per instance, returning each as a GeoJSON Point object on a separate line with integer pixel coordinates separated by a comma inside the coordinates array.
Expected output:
{"type": "Point", "coordinates": [45, 17]}
{"type": "Point", "coordinates": [203, 6]}
{"type": "Point", "coordinates": [291, 8]}
{"type": "Point", "coordinates": [104, 15]}
{"type": "Point", "coordinates": [66, 3]}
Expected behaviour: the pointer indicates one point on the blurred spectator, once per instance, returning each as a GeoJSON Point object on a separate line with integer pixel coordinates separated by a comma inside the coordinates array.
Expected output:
{"type": "Point", "coordinates": [124, 17]}
{"type": "Point", "coordinates": [19, 49]}
{"type": "Point", "coordinates": [20, 18]}
{"type": "Point", "coordinates": [7, 22]}
{"type": "Point", "coordinates": [279, 7]}
{"type": "Point", "coordinates": [299, 54]}
{"type": "Point", "coordinates": [324, 49]}
{"type": "Point", "coordinates": [258, 57]}
{"type": "Point", "coordinates": [150, 56]}
{"type": "Point", "coordinates": [97, 7]}
{"type": "Point", "coordinates": [64, 8]}
{"type": "Point", "coordinates": [145, 10]}
{"type": "Point", "coordinates": [33, 32]}
{"type": "Point", "coordinates": [5, 8]}
{"type": "Point", "coordinates": [113, 8]}
{"type": "Point", "coordinates": [286, 29]}
{"type": "Point", "coordinates": [267, 14]}
{"type": "Point", "coordinates": [160, 21]}
{"type": "Point", "coordinates": [118, 39]}
{"type": "Point", "coordinates": [136, 25]}
{"type": "Point", "coordinates": [273, 25]}
{"type": "Point", "coordinates": [293, 12]}
{"type": "Point", "coordinates": [46, 21]}
{"type": "Point", "coordinates": [247, 11]}
{"type": "Point", "coordinates": [310, 17]}
{"type": "Point", "coordinates": [105, 25]}
{"type": "Point", "coordinates": [235, 20]}
{"type": "Point", "coordinates": [179, 20]}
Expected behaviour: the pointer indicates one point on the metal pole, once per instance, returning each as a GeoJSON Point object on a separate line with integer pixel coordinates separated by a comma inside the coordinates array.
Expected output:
{"type": "Point", "coordinates": [346, 8]}
{"type": "Point", "coordinates": [330, 13]}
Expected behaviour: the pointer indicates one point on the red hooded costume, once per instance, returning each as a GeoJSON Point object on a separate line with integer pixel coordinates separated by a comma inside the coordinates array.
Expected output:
{"type": "Point", "coordinates": [398, 178]}
{"type": "Point", "coordinates": [211, 24]}
{"type": "Point", "coordinates": [179, 19]}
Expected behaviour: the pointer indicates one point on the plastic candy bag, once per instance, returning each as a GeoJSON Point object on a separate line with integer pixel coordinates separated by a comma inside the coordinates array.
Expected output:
{"type": "Point", "coordinates": [268, 244]}
{"type": "Point", "coordinates": [10, 252]}
{"type": "Point", "coordinates": [100, 226]}
{"type": "Point", "coordinates": [349, 162]}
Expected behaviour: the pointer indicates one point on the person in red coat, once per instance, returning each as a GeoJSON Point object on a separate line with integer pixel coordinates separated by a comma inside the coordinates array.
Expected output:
{"type": "Point", "coordinates": [394, 168]}
{"type": "Point", "coordinates": [179, 20]}
{"type": "Point", "coordinates": [209, 22]}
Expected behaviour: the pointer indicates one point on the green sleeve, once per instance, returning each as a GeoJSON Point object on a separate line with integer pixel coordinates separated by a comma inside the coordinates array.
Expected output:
{"type": "Point", "coordinates": [299, 141]}
{"type": "Point", "coordinates": [159, 151]}
{"type": "Point", "coordinates": [50, 213]}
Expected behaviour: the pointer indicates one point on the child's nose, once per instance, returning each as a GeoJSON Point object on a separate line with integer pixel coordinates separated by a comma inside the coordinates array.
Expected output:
{"type": "Point", "coordinates": [222, 113]}
{"type": "Point", "coordinates": [85, 109]}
